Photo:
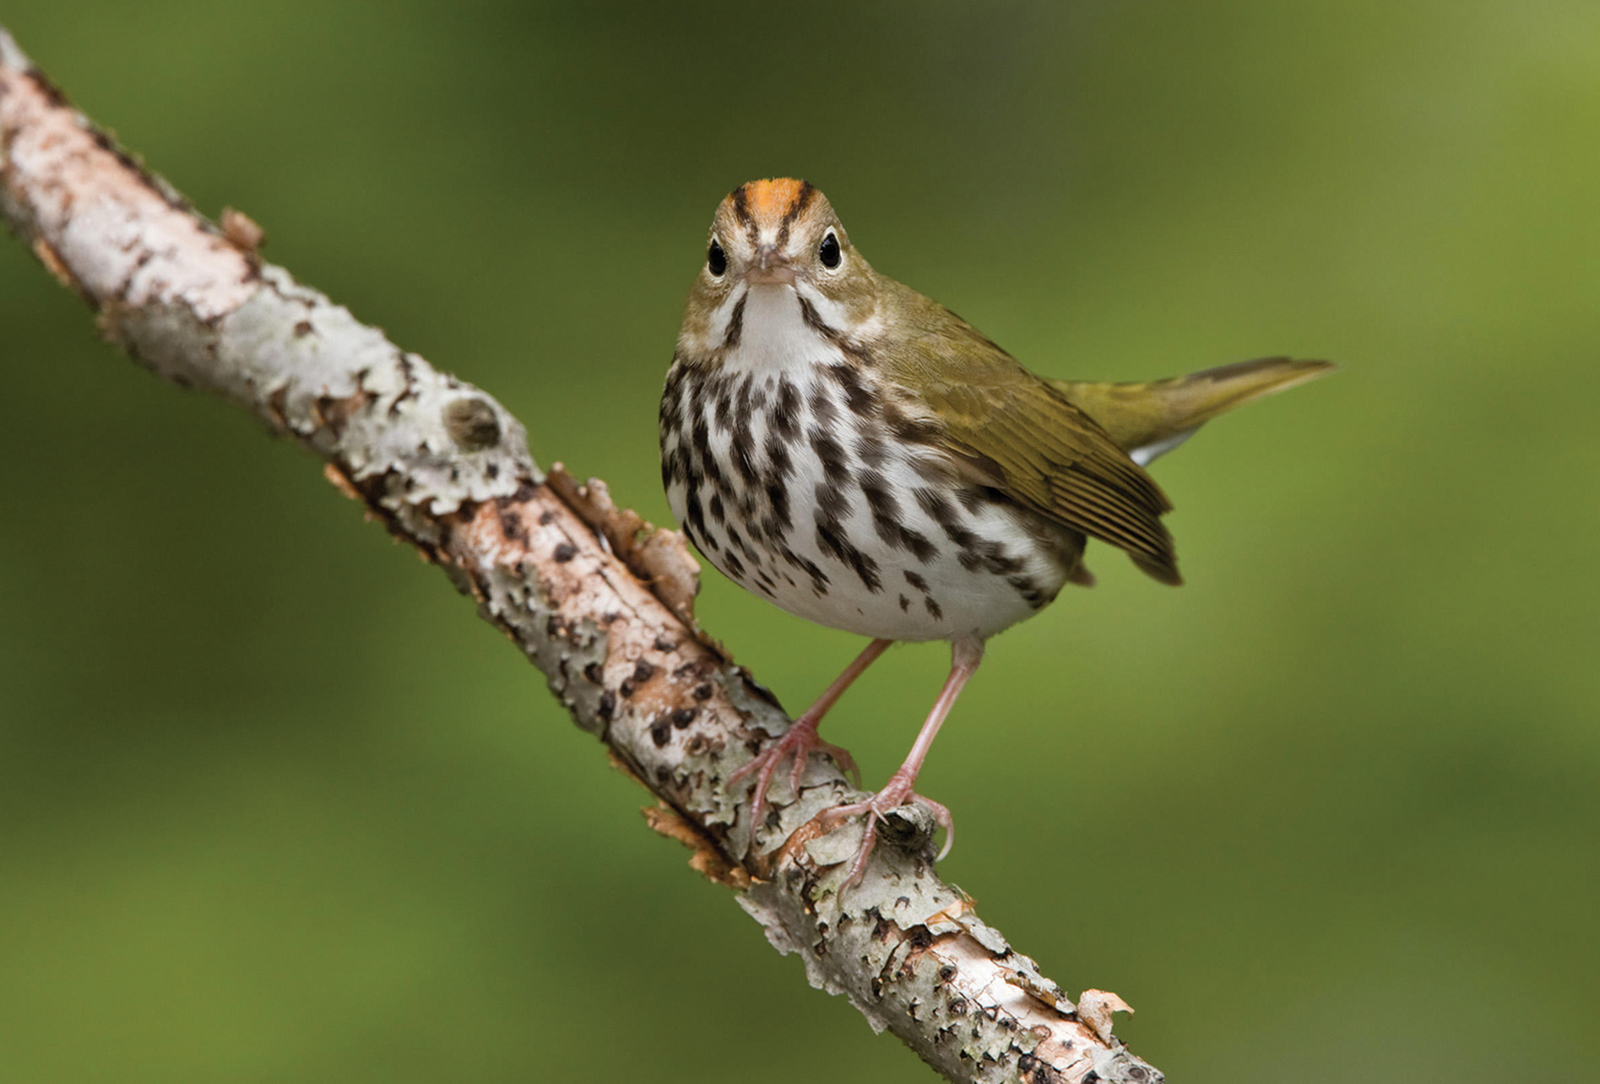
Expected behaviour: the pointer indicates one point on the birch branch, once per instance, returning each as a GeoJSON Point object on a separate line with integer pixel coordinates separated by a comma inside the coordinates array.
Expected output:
{"type": "Point", "coordinates": [596, 599]}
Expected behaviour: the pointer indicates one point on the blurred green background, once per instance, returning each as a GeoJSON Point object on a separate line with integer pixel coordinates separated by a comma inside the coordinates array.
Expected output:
{"type": "Point", "coordinates": [275, 805]}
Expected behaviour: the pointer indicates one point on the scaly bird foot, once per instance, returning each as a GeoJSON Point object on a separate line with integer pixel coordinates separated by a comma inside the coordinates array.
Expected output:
{"type": "Point", "coordinates": [896, 793]}
{"type": "Point", "coordinates": [798, 743]}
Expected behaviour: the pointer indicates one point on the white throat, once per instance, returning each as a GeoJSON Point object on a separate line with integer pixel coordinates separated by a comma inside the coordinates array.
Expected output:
{"type": "Point", "coordinates": [773, 334]}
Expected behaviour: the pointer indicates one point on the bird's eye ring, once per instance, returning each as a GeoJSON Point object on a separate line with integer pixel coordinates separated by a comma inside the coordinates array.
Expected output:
{"type": "Point", "coordinates": [716, 260]}
{"type": "Point", "coordinates": [828, 252]}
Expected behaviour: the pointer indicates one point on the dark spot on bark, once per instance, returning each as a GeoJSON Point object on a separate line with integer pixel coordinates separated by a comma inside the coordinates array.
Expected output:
{"type": "Point", "coordinates": [608, 705]}
{"type": "Point", "coordinates": [472, 423]}
{"type": "Point", "coordinates": [546, 518]}
{"type": "Point", "coordinates": [663, 644]}
{"type": "Point", "coordinates": [511, 527]}
{"type": "Point", "coordinates": [565, 552]}
{"type": "Point", "coordinates": [302, 328]}
{"type": "Point", "coordinates": [702, 692]}
{"type": "Point", "coordinates": [594, 673]}
{"type": "Point", "coordinates": [643, 671]}
{"type": "Point", "coordinates": [684, 716]}
{"type": "Point", "coordinates": [661, 732]}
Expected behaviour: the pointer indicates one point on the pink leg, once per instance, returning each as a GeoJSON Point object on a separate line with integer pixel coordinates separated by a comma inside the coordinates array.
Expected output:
{"type": "Point", "coordinates": [965, 655]}
{"type": "Point", "coordinates": [801, 740]}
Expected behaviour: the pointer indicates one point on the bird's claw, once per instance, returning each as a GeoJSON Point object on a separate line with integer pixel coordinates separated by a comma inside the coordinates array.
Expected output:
{"type": "Point", "coordinates": [797, 744]}
{"type": "Point", "coordinates": [897, 793]}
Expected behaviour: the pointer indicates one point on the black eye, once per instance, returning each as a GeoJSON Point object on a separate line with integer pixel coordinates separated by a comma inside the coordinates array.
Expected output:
{"type": "Point", "coordinates": [828, 251]}
{"type": "Point", "coordinates": [716, 260]}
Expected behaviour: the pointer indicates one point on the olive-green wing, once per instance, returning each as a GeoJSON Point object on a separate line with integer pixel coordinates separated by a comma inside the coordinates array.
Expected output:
{"type": "Point", "coordinates": [1023, 437]}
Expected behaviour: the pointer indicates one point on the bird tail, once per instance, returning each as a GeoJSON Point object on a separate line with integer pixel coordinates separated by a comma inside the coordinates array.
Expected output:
{"type": "Point", "coordinates": [1149, 419]}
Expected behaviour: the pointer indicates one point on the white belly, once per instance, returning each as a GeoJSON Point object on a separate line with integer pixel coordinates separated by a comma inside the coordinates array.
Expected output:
{"type": "Point", "coordinates": [787, 481]}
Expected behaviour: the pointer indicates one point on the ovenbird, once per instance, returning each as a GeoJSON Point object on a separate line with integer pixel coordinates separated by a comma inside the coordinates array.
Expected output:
{"type": "Point", "coordinates": [862, 457]}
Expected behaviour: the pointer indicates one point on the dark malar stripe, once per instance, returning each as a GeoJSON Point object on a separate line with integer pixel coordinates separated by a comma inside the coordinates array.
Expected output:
{"type": "Point", "coordinates": [813, 319]}
{"type": "Point", "coordinates": [730, 338]}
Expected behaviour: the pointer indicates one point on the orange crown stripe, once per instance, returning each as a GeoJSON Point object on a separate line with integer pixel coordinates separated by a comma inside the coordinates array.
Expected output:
{"type": "Point", "coordinates": [767, 201]}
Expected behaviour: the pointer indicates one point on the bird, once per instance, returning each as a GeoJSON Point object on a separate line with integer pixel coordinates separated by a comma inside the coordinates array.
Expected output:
{"type": "Point", "coordinates": [859, 455]}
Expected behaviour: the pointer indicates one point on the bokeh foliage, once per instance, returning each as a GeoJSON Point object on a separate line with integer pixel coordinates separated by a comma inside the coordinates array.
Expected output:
{"type": "Point", "coordinates": [274, 805]}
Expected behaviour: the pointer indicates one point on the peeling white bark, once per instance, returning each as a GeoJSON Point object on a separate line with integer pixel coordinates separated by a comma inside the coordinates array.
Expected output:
{"type": "Point", "coordinates": [566, 575]}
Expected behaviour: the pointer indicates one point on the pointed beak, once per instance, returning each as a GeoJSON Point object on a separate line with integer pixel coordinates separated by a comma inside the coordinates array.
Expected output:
{"type": "Point", "coordinates": [769, 268]}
